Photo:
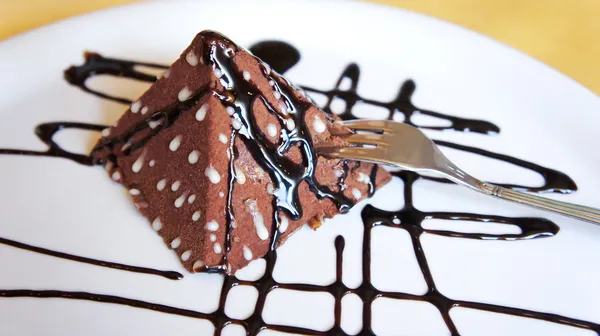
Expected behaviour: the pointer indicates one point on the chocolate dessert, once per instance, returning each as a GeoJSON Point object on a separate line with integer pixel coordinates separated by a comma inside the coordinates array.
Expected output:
{"type": "Point", "coordinates": [219, 155]}
{"type": "Point", "coordinates": [283, 56]}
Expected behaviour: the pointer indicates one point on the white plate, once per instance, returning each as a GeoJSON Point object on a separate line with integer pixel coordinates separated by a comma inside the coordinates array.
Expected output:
{"type": "Point", "coordinates": [544, 117]}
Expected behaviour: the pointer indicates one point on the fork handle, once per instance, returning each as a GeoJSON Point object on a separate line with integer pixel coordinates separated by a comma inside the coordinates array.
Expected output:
{"type": "Point", "coordinates": [585, 213]}
{"type": "Point", "coordinates": [581, 212]}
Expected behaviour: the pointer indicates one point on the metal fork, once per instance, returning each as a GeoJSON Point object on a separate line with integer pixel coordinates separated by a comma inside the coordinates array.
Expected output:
{"type": "Point", "coordinates": [406, 147]}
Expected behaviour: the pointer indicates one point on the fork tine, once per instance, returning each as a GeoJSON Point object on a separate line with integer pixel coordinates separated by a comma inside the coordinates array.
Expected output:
{"type": "Point", "coordinates": [375, 139]}
{"type": "Point", "coordinates": [376, 155]}
{"type": "Point", "coordinates": [368, 125]}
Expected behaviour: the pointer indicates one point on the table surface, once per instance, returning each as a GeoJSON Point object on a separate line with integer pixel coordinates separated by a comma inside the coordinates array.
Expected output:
{"type": "Point", "coordinates": [564, 34]}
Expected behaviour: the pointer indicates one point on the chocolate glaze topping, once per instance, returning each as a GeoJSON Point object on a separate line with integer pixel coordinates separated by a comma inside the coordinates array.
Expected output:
{"type": "Point", "coordinates": [283, 56]}
{"type": "Point", "coordinates": [241, 95]}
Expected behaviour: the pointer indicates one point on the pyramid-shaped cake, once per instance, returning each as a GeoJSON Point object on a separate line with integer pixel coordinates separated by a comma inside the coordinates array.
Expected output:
{"type": "Point", "coordinates": [219, 156]}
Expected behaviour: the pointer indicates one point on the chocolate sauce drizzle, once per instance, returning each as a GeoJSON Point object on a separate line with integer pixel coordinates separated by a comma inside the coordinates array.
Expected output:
{"type": "Point", "coordinates": [282, 57]}
{"type": "Point", "coordinates": [45, 132]}
{"type": "Point", "coordinates": [62, 255]}
{"type": "Point", "coordinates": [401, 104]}
{"type": "Point", "coordinates": [97, 64]}
{"type": "Point", "coordinates": [241, 96]}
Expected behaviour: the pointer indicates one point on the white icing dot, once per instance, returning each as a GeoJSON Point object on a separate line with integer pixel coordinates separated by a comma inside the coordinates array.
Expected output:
{"type": "Point", "coordinates": [217, 248]}
{"type": "Point", "coordinates": [196, 216]}
{"type": "Point", "coordinates": [272, 82]}
{"type": "Point", "coordinates": [223, 138]}
{"type": "Point", "coordinates": [175, 243]}
{"type": "Point", "coordinates": [396, 221]}
{"type": "Point", "coordinates": [125, 146]}
{"type": "Point", "coordinates": [193, 157]}
{"type": "Point", "coordinates": [283, 223]}
{"type": "Point", "coordinates": [134, 192]}
{"type": "Point", "coordinates": [267, 68]}
{"type": "Point", "coordinates": [218, 73]}
{"type": "Point", "coordinates": [167, 73]}
{"type": "Point", "coordinates": [233, 224]}
{"type": "Point", "coordinates": [230, 110]}
{"type": "Point", "coordinates": [116, 176]}
{"type": "Point", "coordinates": [283, 108]}
{"type": "Point", "coordinates": [105, 132]}
{"type": "Point", "coordinates": [239, 175]}
{"type": "Point", "coordinates": [247, 253]}
{"type": "Point", "coordinates": [144, 110]}
{"type": "Point", "coordinates": [151, 163]}
{"type": "Point", "coordinates": [236, 124]}
{"type": "Point", "coordinates": [356, 193]}
{"type": "Point", "coordinates": [186, 255]}
{"type": "Point", "coordinates": [221, 194]}
{"type": "Point", "coordinates": [364, 178]}
{"type": "Point", "coordinates": [201, 113]}
{"type": "Point", "coordinates": [175, 143]}
{"type": "Point", "coordinates": [276, 94]}
{"type": "Point", "coordinates": [318, 125]}
{"type": "Point", "coordinates": [198, 265]}
{"type": "Point", "coordinates": [212, 237]}
{"type": "Point", "coordinates": [191, 58]}
{"type": "Point", "coordinates": [246, 75]}
{"type": "Point", "coordinates": [212, 174]}
{"type": "Point", "coordinates": [270, 189]}
{"type": "Point", "coordinates": [180, 200]}
{"type": "Point", "coordinates": [154, 123]}
{"type": "Point", "coordinates": [259, 223]}
{"type": "Point", "coordinates": [212, 226]}
{"type": "Point", "coordinates": [157, 224]}
{"type": "Point", "coordinates": [135, 107]}
{"type": "Point", "coordinates": [339, 173]}
{"type": "Point", "coordinates": [291, 124]}
{"type": "Point", "coordinates": [192, 198]}
{"type": "Point", "coordinates": [175, 186]}
{"type": "Point", "coordinates": [139, 163]}
{"type": "Point", "coordinates": [161, 184]}
{"type": "Point", "coordinates": [271, 130]}
{"type": "Point", "coordinates": [184, 94]}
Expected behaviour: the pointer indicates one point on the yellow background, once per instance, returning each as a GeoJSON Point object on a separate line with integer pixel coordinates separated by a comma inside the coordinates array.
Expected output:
{"type": "Point", "coordinates": [562, 33]}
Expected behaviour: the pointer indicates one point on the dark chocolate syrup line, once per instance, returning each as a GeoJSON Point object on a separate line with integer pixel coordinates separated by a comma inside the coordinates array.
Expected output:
{"type": "Point", "coordinates": [409, 219]}
{"type": "Point", "coordinates": [401, 104]}
{"type": "Point", "coordinates": [554, 181]}
{"type": "Point", "coordinates": [62, 255]}
{"type": "Point", "coordinates": [240, 95]}
{"type": "Point", "coordinates": [100, 65]}
{"type": "Point", "coordinates": [280, 59]}
{"type": "Point", "coordinates": [255, 323]}
{"type": "Point", "coordinates": [46, 132]}
{"type": "Point", "coordinates": [143, 131]}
